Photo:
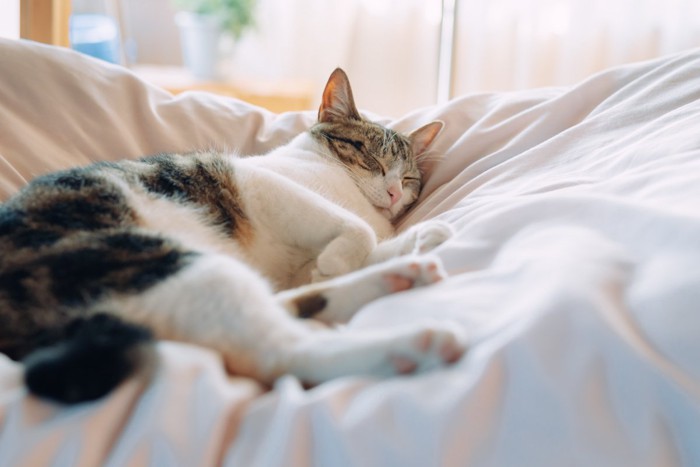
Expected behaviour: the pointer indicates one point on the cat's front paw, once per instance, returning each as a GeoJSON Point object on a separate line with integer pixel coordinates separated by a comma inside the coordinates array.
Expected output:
{"type": "Point", "coordinates": [431, 234]}
{"type": "Point", "coordinates": [429, 347]}
{"type": "Point", "coordinates": [331, 264]}
{"type": "Point", "coordinates": [415, 272]}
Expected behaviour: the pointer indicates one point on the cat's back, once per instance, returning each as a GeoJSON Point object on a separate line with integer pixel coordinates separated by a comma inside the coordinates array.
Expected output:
{"type": "Point", "coordinates": [183, 188]}
{"type": "Point", "coordinates": [53, 206]}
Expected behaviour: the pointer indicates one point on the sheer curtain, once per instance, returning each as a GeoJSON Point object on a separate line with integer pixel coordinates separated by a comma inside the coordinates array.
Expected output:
{"type": "Point", "coordinates": [517, 44]}
{"type": "Point", "coordinates": [390, 48]}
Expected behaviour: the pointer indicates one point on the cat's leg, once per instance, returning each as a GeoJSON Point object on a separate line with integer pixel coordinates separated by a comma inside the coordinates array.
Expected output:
{"type": "Point", "coordinates": [338, 239]}
{"type": "Point", "coordinates": [222, 304]}
{"type": "Point", "coordinates": [337, 300]}
{"type": "Point", "coordinates": [418, 239]}
{"type": "Point", "coordinates": [385, 352]}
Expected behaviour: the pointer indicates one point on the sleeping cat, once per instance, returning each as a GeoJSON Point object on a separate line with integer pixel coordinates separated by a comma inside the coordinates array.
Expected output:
{"type": "Point", "coordinates": [232, 253]}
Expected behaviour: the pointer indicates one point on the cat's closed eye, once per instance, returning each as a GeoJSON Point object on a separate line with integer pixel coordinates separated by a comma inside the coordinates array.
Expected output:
{"type": "Point", "coordinates": [345, 142]}
{"type": "Point", "coordinates": [359, 145]}
{"type": "Point", "coordinates": [379, 165]}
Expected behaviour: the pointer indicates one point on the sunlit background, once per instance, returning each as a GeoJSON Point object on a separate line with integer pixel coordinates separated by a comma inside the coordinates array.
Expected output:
{"type": "Point", "coordinates": [402, 54]}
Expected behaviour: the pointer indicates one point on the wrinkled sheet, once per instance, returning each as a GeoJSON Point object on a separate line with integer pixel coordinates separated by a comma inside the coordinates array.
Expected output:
{"type": "Point", "coordinates": [574, 271]}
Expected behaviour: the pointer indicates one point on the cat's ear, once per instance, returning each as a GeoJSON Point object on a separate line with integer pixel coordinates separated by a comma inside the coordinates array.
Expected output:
{"type": "Point", "coordinates": [337, 100]}
{"type": "Point", "coordinates": [421, 139]}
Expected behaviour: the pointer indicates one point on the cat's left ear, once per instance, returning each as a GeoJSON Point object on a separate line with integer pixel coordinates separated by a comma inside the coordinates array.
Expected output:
{"type": "Point", "coordinates": [337, 100]}
{"type": "Point", "coordinates": [421, 139]}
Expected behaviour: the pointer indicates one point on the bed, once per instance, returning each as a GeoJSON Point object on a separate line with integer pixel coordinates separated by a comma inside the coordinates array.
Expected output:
{"type": "Point", "coordinates": [575, 272]}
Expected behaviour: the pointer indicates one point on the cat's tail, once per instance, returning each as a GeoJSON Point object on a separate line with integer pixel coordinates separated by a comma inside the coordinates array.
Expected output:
{"type": "Point", "coordinates": [91, 357]}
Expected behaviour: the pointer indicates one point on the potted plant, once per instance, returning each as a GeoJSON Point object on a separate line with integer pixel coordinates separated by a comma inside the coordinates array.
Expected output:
{"type": "Point", "coordinates": [202, 23]}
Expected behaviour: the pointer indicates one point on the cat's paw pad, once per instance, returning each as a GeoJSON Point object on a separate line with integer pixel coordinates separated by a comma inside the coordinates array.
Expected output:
{"type": "Point", "coordinates": [433, 346]}
{"type": "Point", "coordinates": [416, 272]}
{"type": "Point", "coordinates": [429, 270]}
{"type": "Point", "coordinates": [398, 283]}
{"type": "Point", "coordinates": [432, 234]}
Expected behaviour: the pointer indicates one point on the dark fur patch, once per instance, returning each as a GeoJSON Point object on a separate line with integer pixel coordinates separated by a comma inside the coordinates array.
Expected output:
{"type": "Point", "coordinates": [75, 179]}
{"type": "Point", "coordinates": [81, 270]}
{"type": "Point", "coordinates": [10, 220]}
{"type": "Point", "coordinates": [87, 359]}
{"type": "Point", "coordinates": [84, 274]}
{"type": "Point", "coordinates": [80, 212]}
{"type": "Point", "coordinates": [167, 178]}
{"type": "Point", "coordinates": [309, 306]}
{"type": "Point", "coordinates": [58, 204]}
{"type": "Point", "coordinates": [201, 179]}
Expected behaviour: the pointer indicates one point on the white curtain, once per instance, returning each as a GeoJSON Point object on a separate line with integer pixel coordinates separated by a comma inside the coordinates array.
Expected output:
{"type": "Point", "coordinates": [518, 44]}
{"type": "Point", "coordinates": [390, 47]}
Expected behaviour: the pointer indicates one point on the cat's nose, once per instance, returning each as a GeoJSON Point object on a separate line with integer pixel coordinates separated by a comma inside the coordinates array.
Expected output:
{"type": "Point", "coordinates": [395, 193]}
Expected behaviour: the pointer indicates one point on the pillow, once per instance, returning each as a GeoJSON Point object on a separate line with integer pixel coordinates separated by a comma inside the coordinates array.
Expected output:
{"type": "Point", "coordinates": [60, 108]}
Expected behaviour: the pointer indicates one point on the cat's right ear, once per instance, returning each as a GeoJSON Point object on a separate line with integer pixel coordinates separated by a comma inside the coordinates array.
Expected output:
{"type": "Point", "coordinates": [421, 139]}
{"type": "Point", "coordinates": [337, 103]}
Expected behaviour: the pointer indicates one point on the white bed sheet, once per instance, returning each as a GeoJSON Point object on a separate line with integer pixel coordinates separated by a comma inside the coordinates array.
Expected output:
{"type": "Point", "coordinates": [575, 271]}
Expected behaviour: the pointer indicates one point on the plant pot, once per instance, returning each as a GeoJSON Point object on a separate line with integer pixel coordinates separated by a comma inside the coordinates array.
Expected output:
{"type": "Point", "coordinates": [200, 36]}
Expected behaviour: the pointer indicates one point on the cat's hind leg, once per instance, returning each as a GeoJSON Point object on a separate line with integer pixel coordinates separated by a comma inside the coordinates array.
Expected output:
{"type": "Point", "coordinates": [337, 300]}
{"type": "Point", "coordinates": [380, 352]}
{"type": "Point", "coordinates": [222, 304]}
{"type": "Point", "coordinates": [327, 354]}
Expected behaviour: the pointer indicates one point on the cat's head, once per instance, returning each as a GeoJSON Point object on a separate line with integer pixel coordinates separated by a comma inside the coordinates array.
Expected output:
{"type": "Point", "coordinates": [387, 166]}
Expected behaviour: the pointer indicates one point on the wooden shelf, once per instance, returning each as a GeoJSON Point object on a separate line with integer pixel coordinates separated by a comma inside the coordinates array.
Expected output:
{"type": "Point", "coordinates": [45, 21]}
{"type": "Point", "coordinates": [274, 96]}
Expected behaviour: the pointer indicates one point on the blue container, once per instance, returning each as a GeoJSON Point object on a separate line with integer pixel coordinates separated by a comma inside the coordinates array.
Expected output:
{"type": "Point", "coordinates": [95, 35]}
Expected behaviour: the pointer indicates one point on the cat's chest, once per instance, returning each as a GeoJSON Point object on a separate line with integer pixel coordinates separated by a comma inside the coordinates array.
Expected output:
{"type": "Point", "coordinates": [331, 182]}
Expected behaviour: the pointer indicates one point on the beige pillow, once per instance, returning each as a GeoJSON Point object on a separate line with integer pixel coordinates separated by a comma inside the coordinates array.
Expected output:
{"type": "Point", "coordinates": [59, 109]}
